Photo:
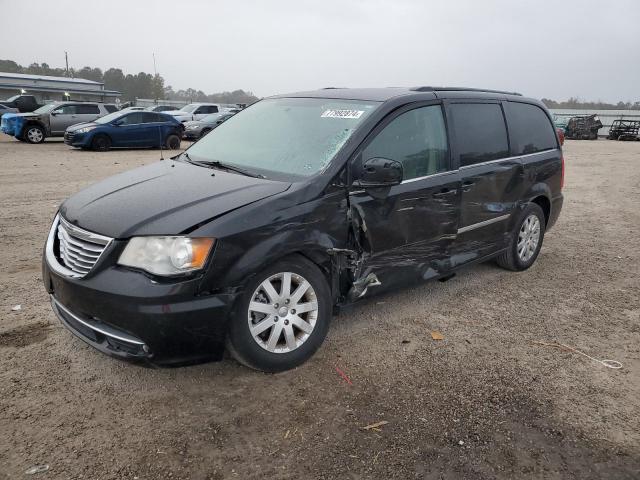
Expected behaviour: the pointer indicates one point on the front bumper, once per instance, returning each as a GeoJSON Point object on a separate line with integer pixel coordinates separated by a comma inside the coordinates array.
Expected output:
{"type": "Point", "coordinates": [191, 134]}
{"type": "Point", "coordinates": [128, 315]}
{"type": "Point", "coordinates": [74, 139]}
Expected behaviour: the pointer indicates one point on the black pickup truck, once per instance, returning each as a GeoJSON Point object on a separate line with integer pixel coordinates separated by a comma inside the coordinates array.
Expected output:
{"type": "Point", "coordinates": [24, 103]}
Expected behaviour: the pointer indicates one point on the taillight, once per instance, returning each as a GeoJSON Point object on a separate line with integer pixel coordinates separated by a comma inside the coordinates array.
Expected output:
{"type": "Point", "coordinates": [562, 174]}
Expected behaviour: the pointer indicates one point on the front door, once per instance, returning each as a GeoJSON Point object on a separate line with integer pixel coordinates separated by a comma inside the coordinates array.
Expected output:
{"type": "Point", "coordinates": [491, 179]}
{"type": "Point", "coordinates": [62, 117]}
{"type": "Point", "coordinates": [405, 230]}
{"type": "Point", "coordinates": [132, 131]}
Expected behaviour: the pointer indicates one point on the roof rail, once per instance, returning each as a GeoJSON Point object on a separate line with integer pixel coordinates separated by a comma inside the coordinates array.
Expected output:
{"type": "Point", "coordinates": [461, 89]}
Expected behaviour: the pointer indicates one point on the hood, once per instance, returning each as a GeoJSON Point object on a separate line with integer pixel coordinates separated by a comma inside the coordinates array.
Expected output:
{"type": "Point", "coordinates": [78, 126]}
{"type": "Point", "coordinates": [26, 115]}
{"type": "Point", "coordinates": [176, 113]}
{"type": "Point", "coordinates": [164, 198]}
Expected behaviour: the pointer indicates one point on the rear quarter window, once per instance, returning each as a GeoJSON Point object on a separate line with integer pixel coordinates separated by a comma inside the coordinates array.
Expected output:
{"type": "Point", "coordinates": [480, 132]}
{"type": "Point", "coordinates": [531, 129]}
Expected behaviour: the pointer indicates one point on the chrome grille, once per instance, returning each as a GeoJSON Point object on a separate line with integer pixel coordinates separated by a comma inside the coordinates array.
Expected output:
{"type": "Point", "coordinates": [78, 250]}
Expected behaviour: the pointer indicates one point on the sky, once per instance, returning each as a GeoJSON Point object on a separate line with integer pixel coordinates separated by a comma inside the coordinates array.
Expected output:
{"type": "Point", "coordinates": [553, 49]}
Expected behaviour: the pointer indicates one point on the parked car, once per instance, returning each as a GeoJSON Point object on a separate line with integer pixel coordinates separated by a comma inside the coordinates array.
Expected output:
{"type": "Point", "coordinates": [199, 128]}
{"type": "Point", "coordinates": [297, 206]}
{"type": "Point", "coordinates": [22, 103]}
{"type": "Point", "coordinates": [161, 108]}
{"type": "Point", "coordinates": [51, 120]}
{"type": "Point", "coordinates": [4, 109]}
{"type": "Point", "coordinates": [196, 111]}
{"type": "Point", "coordinates": [126, 129]}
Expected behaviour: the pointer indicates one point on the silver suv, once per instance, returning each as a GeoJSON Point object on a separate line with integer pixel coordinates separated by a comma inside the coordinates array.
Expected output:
{"type": "Point", "coordinates": [52, 119]}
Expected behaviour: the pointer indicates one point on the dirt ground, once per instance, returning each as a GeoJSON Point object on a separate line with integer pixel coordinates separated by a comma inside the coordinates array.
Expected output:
{"type": "Point", "coordinates": [485, 402]}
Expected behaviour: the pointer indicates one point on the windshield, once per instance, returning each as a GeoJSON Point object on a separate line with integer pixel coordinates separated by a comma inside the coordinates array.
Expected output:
{"type": "Point", "coordinates": [297, 136]}
{"type": "Point", "coordinates": [46, 108]}
{"type": "Point", "coordinates": [110, 117]}
{"type": "Point", "coordinates": [188, 108]}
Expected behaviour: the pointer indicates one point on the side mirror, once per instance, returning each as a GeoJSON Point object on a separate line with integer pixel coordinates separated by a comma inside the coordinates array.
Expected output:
{"type": "Point", "coordinates": [55, 113]}
{"type": "Point", "coordinates": [116, 123]}
{"type": "Point", "coordinates": [379, 173]}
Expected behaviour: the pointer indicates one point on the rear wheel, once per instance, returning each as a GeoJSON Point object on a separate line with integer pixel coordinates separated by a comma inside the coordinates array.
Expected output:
{"type": "Point", "coordinates": [34, 134]}
{"type": "Point", "coordinates": [526, 240]}
{"type": "Point", "coordinates": [172, 142]}
{"type": "Point", "coordinates": [101, 143]}
{"type": "Point", "coordinates": [282, 318]}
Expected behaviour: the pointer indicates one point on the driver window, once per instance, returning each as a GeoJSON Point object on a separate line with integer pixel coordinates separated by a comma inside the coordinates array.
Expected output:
{"type": "Point", "coordinates": [417, 139]}
{"type": "Point", "coordinates": [66, 110]}
{"type": "Point", "coordinates": [131, 119]}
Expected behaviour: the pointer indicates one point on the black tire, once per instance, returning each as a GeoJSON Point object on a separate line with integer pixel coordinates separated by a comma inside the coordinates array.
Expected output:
{"type": "Point", "coordinates": [510, 259]}
{"type": "Point", "coordinates": [34, 134]}
{"type": "Point", "coordinates": [172, 142]}
{"type": "Point", "coordinates": [241, 343]}
{"type": "Point", "coordinates": [204, 132]}
{"type": "Point", "coordinates": [101, 143]}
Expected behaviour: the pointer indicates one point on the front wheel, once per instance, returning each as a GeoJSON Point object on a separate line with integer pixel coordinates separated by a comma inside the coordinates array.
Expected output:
{"type": "Point", "coordinates": [526, 240]}
{"type": "Point", "coordinates": [283, 316]}
{"type": "Point", "coordinates": [34, 134]}
{"type": "Point", "coordinates": [101, 143]}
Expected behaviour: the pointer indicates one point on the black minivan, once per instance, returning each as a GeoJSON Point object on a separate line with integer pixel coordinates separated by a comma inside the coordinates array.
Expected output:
{"type": "Point", "coordinates": [253, 237]}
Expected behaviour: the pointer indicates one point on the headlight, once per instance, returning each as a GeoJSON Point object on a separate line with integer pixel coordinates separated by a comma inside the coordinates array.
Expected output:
{"type": "Point", "coordinates": [166, 255]}
{"type": "Point", "coordinates": [85, 129]}
{"type": "Point", "coordinates": [192, 127]}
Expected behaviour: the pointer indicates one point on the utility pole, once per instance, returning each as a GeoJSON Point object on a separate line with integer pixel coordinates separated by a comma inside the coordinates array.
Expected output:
{"type": "Point", "coordinates": [66, 61]}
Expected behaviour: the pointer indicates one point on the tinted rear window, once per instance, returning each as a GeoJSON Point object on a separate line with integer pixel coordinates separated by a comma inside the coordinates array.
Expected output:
{"type": "Point", "coordinates": [480, 132]}
{"type": "Point", "coordinates": [87, 109]}
{"type": "Point", "coordinates": [531, 128]}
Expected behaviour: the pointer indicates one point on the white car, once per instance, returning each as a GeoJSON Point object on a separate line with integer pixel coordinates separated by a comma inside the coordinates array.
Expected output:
{"type": "Point", "coordinates": [196, 111]}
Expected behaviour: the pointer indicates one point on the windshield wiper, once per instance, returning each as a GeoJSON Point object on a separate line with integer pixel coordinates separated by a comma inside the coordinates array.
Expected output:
{"type": "Point", "coordinates": [222, 166]}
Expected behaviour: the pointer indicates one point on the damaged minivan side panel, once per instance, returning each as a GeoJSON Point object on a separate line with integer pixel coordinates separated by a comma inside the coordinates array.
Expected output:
{"type": "Point", "coordinates": [402, 233]}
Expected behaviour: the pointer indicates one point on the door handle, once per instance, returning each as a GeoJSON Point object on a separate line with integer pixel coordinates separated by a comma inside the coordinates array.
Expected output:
{"type": "Point", "coordinates": [445, 192]}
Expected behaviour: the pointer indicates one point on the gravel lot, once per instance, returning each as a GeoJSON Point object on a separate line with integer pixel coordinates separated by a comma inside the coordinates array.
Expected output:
{"type": "Point", "coordinates": [485, 402]}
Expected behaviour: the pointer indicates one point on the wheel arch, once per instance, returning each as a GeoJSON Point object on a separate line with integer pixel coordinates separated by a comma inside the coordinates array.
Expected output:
{"type": "Point", "coordinates": [101, 134]}
{"type": "Point", "coordinates": [34, 123]}
{"type": "Point", "coordinates": [545, 204]}
{"type": "Point", "coordinates": [540, 194]}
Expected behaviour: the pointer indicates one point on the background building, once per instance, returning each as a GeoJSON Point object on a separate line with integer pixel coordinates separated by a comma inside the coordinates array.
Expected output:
{"type": "Point", "coordinates": [46, 88]}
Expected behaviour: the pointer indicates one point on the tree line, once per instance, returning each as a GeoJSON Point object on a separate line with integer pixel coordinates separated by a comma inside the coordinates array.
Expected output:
{"type": "Point", "coordinates": [576, 103]}
{"type": "Point", "coordinates": [141, 85]}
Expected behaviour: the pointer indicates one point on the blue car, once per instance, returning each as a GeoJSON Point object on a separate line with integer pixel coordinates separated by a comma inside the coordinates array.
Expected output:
{"type": "Point", "coordinates": [130, 129]}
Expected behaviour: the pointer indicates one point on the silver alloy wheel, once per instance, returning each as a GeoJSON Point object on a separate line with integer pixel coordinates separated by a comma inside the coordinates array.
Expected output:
{"type": "Point", "coordinates": [34, 135]}
{"type": "Point", "coordinates": [282, 312]}
{"type": "Point", "coordinates": [528, 237]}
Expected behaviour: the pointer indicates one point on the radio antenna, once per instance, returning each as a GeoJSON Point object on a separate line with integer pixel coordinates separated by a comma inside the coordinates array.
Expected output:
{"type": "Point", "coordinates": [160, 138]}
